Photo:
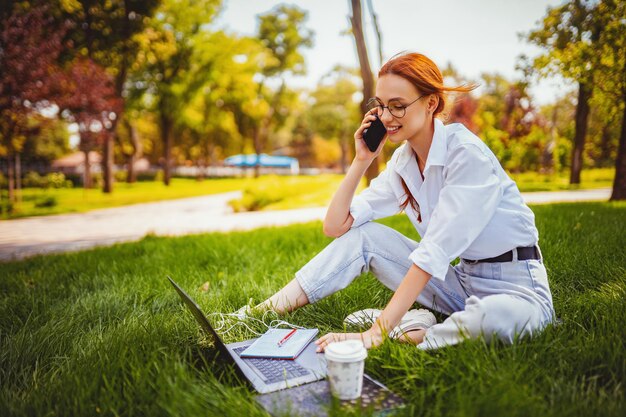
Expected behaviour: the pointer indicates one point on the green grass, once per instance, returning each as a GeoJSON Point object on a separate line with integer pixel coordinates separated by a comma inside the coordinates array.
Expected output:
{"type": "Point", "coordinates": [304, 191]}
{"type": "Point", "coordinates": [271, 191]}
{"type": "Point", "coordinates": [102, 332]}
{"type": "Point", "coordinates": [589, 178]}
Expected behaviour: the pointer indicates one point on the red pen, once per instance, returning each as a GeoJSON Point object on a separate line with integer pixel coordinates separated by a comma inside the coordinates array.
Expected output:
{"type": "Point", "coordinates": [284, 339]}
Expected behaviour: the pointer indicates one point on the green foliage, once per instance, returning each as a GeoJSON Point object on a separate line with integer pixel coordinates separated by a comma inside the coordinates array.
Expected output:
{"type": "Point", "coordinates": [224, 107]}
{"type": "Point", "coordinates": [77, 338]}
{"type": "Point", "coordinates": [282, 31]}
{"type": "Point", "coordinates": [51, 180]}
{"type": "Point", "coordinates": [257, 198]}
{"type": "Point", "coordinates": [120, 176]}
{"type": "Point", "coordinates": [569, 33]}
{"type": "Point", "coordinates": [288, 192]}
{"type": "Point", "coordinates": [514, 129]}
{"type": "Point", "coordinates": [7, 207]}
{"type": "Point", "coordinates": [584, 41]}
{"type": "Point", "coordinates": [48, 139]}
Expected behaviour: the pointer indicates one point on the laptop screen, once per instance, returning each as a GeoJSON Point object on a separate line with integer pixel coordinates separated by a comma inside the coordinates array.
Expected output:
{"type": "Point", "coordinates": [200, 317]}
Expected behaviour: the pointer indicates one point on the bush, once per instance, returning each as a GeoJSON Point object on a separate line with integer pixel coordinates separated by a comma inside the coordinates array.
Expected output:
{"type": "Point", "coordinates": [6, 206]}
{"type": "Point", "coordinates": [147, 176]}
{"type": "Point", "coordinates": [33, 180]}
{"type": "Point", "coordinates": [256, 199]}
{"type": "Point", "coordinates": [76, 179]}
{"type": "Point", "coordinates": [120, 176]}
{"type": "Point", "coordinates": [57, 180]}
{"type": "Point", "coordinates": [51, 180]}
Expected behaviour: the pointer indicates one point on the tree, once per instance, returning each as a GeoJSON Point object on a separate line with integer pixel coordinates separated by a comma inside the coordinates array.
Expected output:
{"type": "Point", "coordinates": [47, 140]}
{"type": "Point", "coordinates": [570, 34]}
{"type": "Point", "coordinates": [210, 116]}
{"type": "Point", "coordinates": [464, 106]}
{"type": "Point", "coordinates": [30, 43]}
{"type": "Point", "coordinates": [103, 31]}
{"type": "Point", "coordinates": [160, 72]}
{"type": "Point", "coordinates": [282, 32]}
{"type": "Point", "coordinates": [560, 121]}
{"type": "Point", "coordinates": [86, 95]}
{"type": "Point", "coordinates": [463, 111]}
{"type": "Point", "coordinates": [612, 77]}
{"type": "Point", "coordinates": [334, 113]}
{"type": "Point", "coordinates": [366, 71]}
{"type": "Point", "coordinates": [379, 36]}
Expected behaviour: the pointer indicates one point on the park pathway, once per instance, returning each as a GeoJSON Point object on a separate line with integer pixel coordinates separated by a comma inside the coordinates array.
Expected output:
{"type": "Point", "coordinates": [22, 238]}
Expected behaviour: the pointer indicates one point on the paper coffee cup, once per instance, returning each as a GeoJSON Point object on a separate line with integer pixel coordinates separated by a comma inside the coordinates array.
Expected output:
{"type": "Point", "coordinates": [345, 362]}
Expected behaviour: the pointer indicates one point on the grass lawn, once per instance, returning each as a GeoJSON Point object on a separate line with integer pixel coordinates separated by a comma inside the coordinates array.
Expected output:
{"type": "Point", "coordinates": [304, 191]}
{"type": "Point", "coordinates": [275, 192]}
{"type": "Point", "coordinates": [102, 332]}
{"type": "Point", "coordinates": [589, 178]}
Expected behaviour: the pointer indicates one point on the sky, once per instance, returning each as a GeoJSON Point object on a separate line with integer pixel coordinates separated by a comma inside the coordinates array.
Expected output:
{"type": "Point", "coordinates": [476, 36]}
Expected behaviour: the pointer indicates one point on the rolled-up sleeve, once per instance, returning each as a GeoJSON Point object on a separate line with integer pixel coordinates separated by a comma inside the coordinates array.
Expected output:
{"type": "Point", "coordinates": [376, 201]}
{"type": "Point", "coordinates": [468, 200]}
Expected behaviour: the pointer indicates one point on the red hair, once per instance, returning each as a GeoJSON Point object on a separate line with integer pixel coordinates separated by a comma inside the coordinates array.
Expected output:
{"type": "Point", "coordinates": [424, 74]}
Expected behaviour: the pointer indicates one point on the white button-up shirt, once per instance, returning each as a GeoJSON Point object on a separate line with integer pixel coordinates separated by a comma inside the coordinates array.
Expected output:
{"type": "Point", "coordinates": [470, 208]}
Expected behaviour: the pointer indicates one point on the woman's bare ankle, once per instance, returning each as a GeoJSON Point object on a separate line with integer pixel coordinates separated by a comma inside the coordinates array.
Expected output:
{"type": "Point", "coordinates": [289, 298]}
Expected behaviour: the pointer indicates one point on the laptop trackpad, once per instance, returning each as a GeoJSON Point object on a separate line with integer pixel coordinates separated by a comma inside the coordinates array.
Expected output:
{"type": "Point", "coordinates": [310, 359]}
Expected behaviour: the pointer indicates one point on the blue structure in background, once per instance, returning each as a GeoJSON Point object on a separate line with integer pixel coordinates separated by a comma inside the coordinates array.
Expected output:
{"type": "Point", "coordinates": [263, 160]}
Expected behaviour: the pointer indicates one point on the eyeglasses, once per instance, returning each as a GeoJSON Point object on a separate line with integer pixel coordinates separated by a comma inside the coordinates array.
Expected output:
{"type": "Point", "coordinates": [395, 107]}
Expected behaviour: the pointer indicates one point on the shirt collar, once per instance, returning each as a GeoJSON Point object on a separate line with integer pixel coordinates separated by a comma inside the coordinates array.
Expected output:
{"type": "Point", "coordinates": [436, 153]}
{"type": "Point", "coordinates": [439, 146]}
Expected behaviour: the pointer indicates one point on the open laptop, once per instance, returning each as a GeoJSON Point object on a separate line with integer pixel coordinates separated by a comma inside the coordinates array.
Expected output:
{"type": "Point", "coordinates": [265, 375]}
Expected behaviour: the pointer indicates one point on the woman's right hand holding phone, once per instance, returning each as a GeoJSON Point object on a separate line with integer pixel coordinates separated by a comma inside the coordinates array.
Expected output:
{"type": "Point", "coordinates": [338, 219]}
{"type": "Point", "coordinates": [363, 153]}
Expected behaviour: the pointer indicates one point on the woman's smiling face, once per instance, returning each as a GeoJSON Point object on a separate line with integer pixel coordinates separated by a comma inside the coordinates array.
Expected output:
{"type": "Point", "coordinates": [391, 87]}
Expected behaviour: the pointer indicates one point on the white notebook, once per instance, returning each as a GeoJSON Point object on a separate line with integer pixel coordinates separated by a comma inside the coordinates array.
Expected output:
{"type": "Point", "coordinates": [267, 346]}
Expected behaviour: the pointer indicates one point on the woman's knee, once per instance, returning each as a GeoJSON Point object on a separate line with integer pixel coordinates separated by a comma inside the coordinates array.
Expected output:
{"type": "Point", "coordinates": [361, 233]}
{"type": "Point", "coordinates": [509, 317]}
{"type": "Point", "coordinates": [503, 316]}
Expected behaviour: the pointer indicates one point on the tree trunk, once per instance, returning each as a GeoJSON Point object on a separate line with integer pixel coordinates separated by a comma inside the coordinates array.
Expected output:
{"type": "Point", "coordinates": [131, 176]}
{"type": "Point", "coordinates": [107, 164]}
{"type": "Point", "coordinates": [379, 37]}
{"type": "Point", "coordinates": [581, 119]}
{"type": "Point", "coordinates": [18, 177]}
{"type": "Point", "coordinates": [619, 183]}
{"type": "Point", "coordinates": [548, 161]}
{"type": "Point", "coordinates": [605, 146]}
{"type": "Point", "coordinates": [87, 173]}
{"type": "Point", "coordinates": [343, 143]}
{"type": "Point", "coordinates": [166, 138]}
{"type": "Point", "coordinates": [257, 149]}
{"type": "Point", "coordinates": [366, 72]}
{"type": "Point", "coordinates": [11, 179]}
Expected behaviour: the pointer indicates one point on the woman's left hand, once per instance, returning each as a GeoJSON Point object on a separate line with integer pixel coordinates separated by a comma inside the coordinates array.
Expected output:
{"type": "Point", "coordinates": [368, 338]}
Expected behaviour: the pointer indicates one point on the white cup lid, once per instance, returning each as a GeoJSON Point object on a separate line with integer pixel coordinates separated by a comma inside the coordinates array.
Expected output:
{"type": "Point", "coordinates": [346, 351]}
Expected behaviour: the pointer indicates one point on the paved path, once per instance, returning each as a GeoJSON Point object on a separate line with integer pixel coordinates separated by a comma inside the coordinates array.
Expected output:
{"type": "Point", "coordinates": [27, 237]}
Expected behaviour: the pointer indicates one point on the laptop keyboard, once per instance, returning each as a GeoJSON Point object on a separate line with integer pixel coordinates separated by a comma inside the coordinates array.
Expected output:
{"type": "Point", "coordinates": [274, 370]}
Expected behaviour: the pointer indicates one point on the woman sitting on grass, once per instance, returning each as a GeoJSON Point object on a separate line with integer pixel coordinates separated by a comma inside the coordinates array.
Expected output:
{"type": "Point", "coordinates": [462, 204]}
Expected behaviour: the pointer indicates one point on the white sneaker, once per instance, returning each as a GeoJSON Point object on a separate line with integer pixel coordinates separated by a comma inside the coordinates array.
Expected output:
{"type": "Point", "coordinates": [363, 318]}
{"type": "Point", "coordinates": [415, 319]}
{"type": "Point", "coordinates": [244, 312]}
{"type": "Point", "coordinates": [412, 320]}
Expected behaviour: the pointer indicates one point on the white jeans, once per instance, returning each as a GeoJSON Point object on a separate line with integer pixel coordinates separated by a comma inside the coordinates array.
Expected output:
{"type": "Point", "coordinates": [508, 299]}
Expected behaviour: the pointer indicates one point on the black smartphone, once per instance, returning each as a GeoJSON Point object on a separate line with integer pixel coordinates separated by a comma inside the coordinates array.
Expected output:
{"type": "Point", "coordinates": [374, 134]}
